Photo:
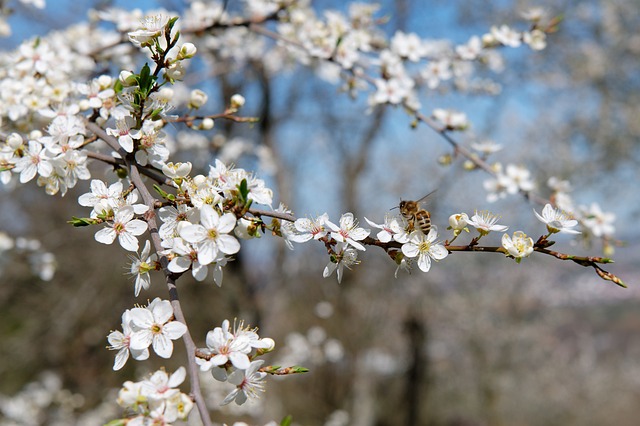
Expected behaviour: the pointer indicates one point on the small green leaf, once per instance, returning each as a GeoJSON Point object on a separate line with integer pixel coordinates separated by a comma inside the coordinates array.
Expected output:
{"type": "Point", "coordinates": [81, 221]}
{"type": "Point", "coordinates": [117, 422]}
{"type": "Point", "coordinates": [244, 190]}
{"type": "Point", "coordinates": [118, 86]}
{"type": "Point", "coordinates": [286, 421]}
{"type": "Point", "coordinates": [171, 23]}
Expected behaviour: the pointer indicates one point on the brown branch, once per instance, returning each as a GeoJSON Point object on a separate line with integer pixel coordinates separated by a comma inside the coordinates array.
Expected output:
{"type": "Point", "coordinates": [150, 217]}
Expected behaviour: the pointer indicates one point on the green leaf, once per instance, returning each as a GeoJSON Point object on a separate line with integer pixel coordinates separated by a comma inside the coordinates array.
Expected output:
{"type": "Point", "coordinates": [243, 188]}
{"type": "Point", "coordinates": [171, 23]}
{"type": "Point", "coordinates": [164, 194]}
{"type": "Point", "coordinates": [146, 80]}
{"type": "Point", "coordinates": [81, 221]}
{"type": "Point", "coordinates": [117, 422]}
{"type": "Point", "coordinates": [286, 421]}
{"type": "Point", "coordinates": [118, 86]}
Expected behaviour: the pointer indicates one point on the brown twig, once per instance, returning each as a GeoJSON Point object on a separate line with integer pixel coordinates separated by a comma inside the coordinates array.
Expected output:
{"type": "Point", "coordinates": [150, 217]}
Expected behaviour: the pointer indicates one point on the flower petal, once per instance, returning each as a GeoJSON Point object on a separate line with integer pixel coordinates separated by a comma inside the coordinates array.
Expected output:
{"type": "Point", "coordinates": [162, 345]}
{"type": "Point", "coordinates": [193, 233]}
{"type": "Point", "coordinates": [105, 236]}
{"type": "Point", "coordinates": [228, 244]}
{"type": "Point", "coordinates": [174, 330]}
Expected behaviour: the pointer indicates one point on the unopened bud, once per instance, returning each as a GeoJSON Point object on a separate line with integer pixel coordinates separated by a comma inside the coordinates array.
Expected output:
{"type": "Point", "coordinates": [188, 50]}
{"type": "Point", "coordinates": [127, 78]}
{"type": "Point", "coordinates": [458, 221]}
{"type": "Point", "coordinates": [468, 165]}
{"type": "Point", "coordinates": [445, 160]}
{"type": "Point", "coordinates": [197, 98]}
{"type": "Point", "coordinates": [105, 81]}
{"type": "Point", "coordinates": [237, 101]}
{"type": "Point", "coordinates": [207, 124]}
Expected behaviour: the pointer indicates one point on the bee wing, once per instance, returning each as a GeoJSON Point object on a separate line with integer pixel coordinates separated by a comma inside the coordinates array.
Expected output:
{"type": "Point", "coordinates": [425, 197]}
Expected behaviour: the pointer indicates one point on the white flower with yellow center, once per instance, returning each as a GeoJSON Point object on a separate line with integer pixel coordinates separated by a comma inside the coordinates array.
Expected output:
{"type": "Point", "coordinates": [424, 248]}
{"type": "Point", "coordinates": [557, 220]}
{"type": "Point", "coordinates": [518, 246]}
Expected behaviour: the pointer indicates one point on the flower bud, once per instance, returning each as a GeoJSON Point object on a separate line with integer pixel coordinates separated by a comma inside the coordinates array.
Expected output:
{"type": "Point", "coordinates": [35, 134]}
{"type": "Point", "coordinates": [199, 180]}
{"type": "Point", "coordinates": [207, 124]}
{"type": "Point", "coordinates": [197, 98]}
{"type": "Point", "coordinates": [458, 221]}
{"type": "Point", "coordinates": [246, 229]}
{"type": "Point", "coordinates": [188, 50]}
{"type": "Point", "coordinates": [468, 165]}
{"type": "Point", "coordinates": [14, 140]}
{"type": "Point", "coordinates": [165, 94]}
{"type": "Point", "coordinates": [237, 101]}
{"type": "Point", "coordinates": [105, 81]}
{"type": "Point", "coordinates": [271, 344]}
{"type": "Point", "coordinates": [127, 78]}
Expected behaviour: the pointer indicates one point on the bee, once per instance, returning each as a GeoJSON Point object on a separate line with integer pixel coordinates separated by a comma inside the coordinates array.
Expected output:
{"type": "Point", "coordinates": [416, 216]}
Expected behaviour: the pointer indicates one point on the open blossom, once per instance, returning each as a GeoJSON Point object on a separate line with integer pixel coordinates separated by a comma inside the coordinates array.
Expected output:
{"type": "Point", "coordinates": [171, 216]}
{"type": "Point", "coordinates": [408, 46]}
{"type": "Point", "coordinates": [162, 386]}
{"type": "Point", "coordinates": [451, 120]}
{"type": "Point", "coordinates": [248, 383]}
{"type": "Point", "coordinates": [150, 28]}
{"type": "Point", "coordinates": [557, 220]}
{"type": "Point", "coordinates": [224, 346]}
{"type": "Point", "coordinates": [536, 39]}
{"type": "Point", "coordinates": [485, 222]}
{"type": "Point", "coordinates": [521, 176]}
{"type": "Point", "coordinates": [156, 398]}
{"type": "Point", "coordinates": [600, 223]}
{"type": "Point", "coordinates": [185, 256]}
{"type": "Point", "coordinates": [125, 132]}
{"type": "Point", "coordinates": [154, 325]}
{"type": "Point", "coordinates": [425, 248]}
{"type": "Point", "coordinates": [510, 181]}
{"type": "Point", "coordinates": [345, 256]}
{"type": "Point", "coordinates": [388, 229]}
{"type": "Point", "coordinates": [140, 268]}
{"type": "Point", "coordinates": [125, 227]}
{"type": "Point", "coordinates": [348, 231]}
{"type": "Point", "coordinates": [119, 341]}
{"type": "Point", "coordinates": [100, 192]}
{"type": "Point", "coordinates": [211, 236]}
{"type": "Point", "coordinates": [35, 161]}
{"type": "Point", "coordinates": [436, 71]}
{"type": "Point", "coordinates": [471, 50]}
{"type": "Point", "coordinates": [519, 246]}
{"type": "Point", "coordinates": [506, 35]}
{"type": "Point", "coordinates": [392, 91]}
{"type": "Point", "coordinates": [310, 228]}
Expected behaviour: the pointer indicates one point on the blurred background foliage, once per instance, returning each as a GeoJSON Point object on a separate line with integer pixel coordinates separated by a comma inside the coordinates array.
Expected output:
{"type": "Point", "coordinates": [478, 340]}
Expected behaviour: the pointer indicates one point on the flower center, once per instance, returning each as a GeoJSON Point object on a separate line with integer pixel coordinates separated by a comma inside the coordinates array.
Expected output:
{"type": "Point", "coordinates": [424, 247]}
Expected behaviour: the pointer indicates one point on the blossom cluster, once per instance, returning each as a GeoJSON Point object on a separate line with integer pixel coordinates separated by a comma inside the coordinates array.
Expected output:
{"type": "Point", "coordinates": [201, 234]}
{"type": "Point", "coordinates": [49, 87]}
{"type": "Point", "coordinates": [153, 325]}
{"type": "Point", "coordinates": [230, 356]}
{"type": "Point", "coordinates": [156, 399]}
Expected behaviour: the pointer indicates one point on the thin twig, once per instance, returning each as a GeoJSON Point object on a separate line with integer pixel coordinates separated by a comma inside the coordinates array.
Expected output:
{"type": "Point", "coordinates": [150, 217]}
